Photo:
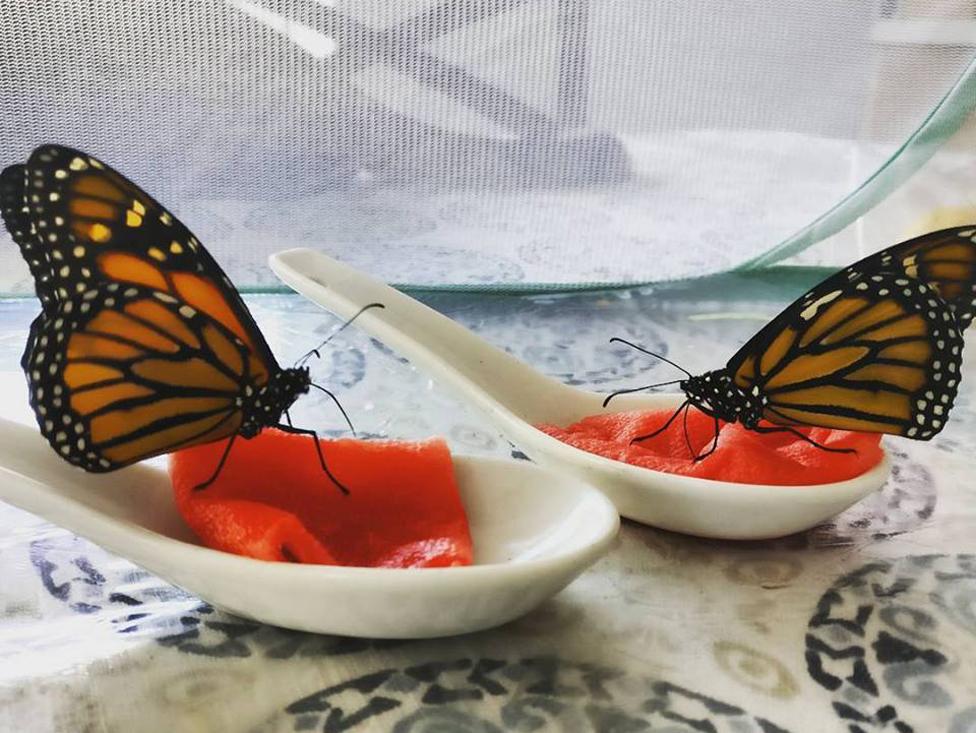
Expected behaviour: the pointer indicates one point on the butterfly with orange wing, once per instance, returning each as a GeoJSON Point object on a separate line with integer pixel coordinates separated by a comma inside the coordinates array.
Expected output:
{"type": "Point", "coordinates": [143, 345]}
{"type": "Point", "coordinates": [876, 347]}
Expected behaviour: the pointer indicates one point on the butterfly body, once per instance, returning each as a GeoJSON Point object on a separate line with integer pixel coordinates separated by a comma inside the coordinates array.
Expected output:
{"type": "Point", "coordinates": [263, 407]}
{"type": "Point", "coordinates": [143, 346]}
{"type": "Point", "coordinates": [717, 395]}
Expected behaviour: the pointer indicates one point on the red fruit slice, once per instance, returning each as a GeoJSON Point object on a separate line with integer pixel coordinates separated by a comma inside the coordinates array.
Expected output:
{"type": "Point", "coordinates": [273, 502]}
{"type": "Point", "coordinates": [742, 456]}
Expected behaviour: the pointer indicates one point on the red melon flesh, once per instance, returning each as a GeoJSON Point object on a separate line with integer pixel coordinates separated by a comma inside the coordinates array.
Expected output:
{"type": "Point", "coordinates": [742, 456]}
{"type": "Point", "coordinates": [272, 501]}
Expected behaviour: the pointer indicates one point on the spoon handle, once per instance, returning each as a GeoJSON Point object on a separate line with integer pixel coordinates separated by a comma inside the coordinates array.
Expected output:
{"type": "Point", "coordinates": [484, 375]}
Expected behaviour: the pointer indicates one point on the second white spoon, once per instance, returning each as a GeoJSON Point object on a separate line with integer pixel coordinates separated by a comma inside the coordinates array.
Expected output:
{"type": "Point", "coordinates": [515, 398]}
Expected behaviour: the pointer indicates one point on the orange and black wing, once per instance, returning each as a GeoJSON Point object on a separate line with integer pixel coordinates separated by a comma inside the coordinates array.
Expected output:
{"type": "Point", "coordinates": [84, 225]}
{"type": "Point", "coordinates": [946, 260]}
{"type": "Point", "coordinates": [16, 217]}
{"type": "Point", "coordinates": [877, 353]}
{"type": "Point", "coordinates": [120, 373]}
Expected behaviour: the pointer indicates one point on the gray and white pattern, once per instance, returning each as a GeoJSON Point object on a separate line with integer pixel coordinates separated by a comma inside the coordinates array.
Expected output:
{"type": "Point", "coordinates": [862, 624]}
{"type": "Point", "coordinates": [499, 141]}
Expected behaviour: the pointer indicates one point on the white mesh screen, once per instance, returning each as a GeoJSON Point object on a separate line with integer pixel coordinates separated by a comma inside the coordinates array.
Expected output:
{"type": "Point", "coordinates": [505, 141]}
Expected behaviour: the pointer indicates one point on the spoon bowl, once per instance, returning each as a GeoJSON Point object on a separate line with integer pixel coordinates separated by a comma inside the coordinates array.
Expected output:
{"type": "Point", "coordinates": [529, 543]}
{"type": "Point", "coordinates": [516, 397]}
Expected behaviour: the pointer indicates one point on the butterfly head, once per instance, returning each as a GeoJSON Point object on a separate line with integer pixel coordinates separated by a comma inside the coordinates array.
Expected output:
{"type": "Point", "coordinates": [717, 395]}
{"type": "Point", "coordinates": [263, 407]}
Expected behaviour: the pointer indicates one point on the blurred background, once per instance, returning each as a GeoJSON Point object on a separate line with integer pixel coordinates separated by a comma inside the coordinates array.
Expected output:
{"type": "Point", "coordinates": [511, 144]}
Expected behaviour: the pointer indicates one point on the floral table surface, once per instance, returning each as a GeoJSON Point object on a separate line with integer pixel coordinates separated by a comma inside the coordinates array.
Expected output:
{"type": "Point", "coordinates": [866, 623]}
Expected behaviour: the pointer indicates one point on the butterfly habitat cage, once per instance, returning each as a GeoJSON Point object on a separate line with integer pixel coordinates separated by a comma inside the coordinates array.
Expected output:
{"type": "Point", "coordinates": [547, 174]}
{"type": "Point", "coordinates": [511, 144]}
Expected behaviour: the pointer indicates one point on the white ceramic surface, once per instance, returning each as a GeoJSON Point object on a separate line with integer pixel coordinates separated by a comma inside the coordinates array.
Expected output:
{"type": "Point", "coordinates": [516, 397]}
{"type": "Point", "coordinates": [530, 541]}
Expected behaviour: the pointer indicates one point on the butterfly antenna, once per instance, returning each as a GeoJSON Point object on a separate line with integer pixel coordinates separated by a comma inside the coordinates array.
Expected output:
{"type": "Point", "coordinates": [650, 353]}
{"type": "Point", "coordinates": [637, 389]}
{"type": "Point", "coordinates": [339, 405]}
{"type": "Point", "coordinates": [663, 427]}
{"type": "Point", "coordinates": [301, 361]}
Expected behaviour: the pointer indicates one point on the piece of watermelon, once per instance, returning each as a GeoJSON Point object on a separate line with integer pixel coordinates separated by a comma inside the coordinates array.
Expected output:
{"type": "Point", "coordinates": [742, 456]}
{"type": "Point", "coordinates": [272, 501]}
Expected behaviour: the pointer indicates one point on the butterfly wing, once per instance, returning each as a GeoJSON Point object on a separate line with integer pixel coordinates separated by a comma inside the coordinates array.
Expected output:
{"type": "Point", "coordinates": [946, 260]}
{"type": "Point", "coordinates": [91, 226]}
{"type": "Point", "coordinates": [13, 209]}
{"type": "Point", "coordinates": [122, 373]}
{"type": "Point", "coordinates": [143, 345]}
{"type": "Point", "coordinates": [879, 353]}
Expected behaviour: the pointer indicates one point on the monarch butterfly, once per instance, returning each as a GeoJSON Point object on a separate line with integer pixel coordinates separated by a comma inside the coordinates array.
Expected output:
{"type": "Point", "coordinates": [876, 347]}
{"type": "Point", "coordinates": [143, 344]}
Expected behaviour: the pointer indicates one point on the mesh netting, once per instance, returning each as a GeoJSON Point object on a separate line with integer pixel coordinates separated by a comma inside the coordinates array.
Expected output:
{"type": "Point", "coordinates": [508, 142]}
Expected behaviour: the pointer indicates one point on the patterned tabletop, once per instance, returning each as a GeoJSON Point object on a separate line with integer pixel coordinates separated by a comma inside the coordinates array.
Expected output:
{"type": "Point", "coordinates": [866, 623]}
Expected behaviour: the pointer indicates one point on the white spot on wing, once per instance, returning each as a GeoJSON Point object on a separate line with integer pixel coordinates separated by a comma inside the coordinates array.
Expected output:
{"type": "Point", "coordinates": [810, 311]}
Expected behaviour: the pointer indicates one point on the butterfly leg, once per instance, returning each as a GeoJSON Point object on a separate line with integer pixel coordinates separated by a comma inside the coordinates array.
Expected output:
{"type": "Point", "coordinates": [339, 405]}
{"type": "Point", "coordinates": [661, 429]}
{"type": "Point", "coordinates": [711, 450]}
{"type": "Point", "coordinates": [684, 423]}
{"type": "Point", "coordinates": [764, 430]}
{"type": "Point", "coordinates": [318, 450]}
{"type": "Point", "coordinates": [220, 465]}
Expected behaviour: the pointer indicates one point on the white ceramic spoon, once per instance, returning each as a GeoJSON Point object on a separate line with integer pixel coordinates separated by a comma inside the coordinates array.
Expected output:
{"type": "Point", "coordinates": [529, 542]}
{"type": "Point", "coordinates": [515, 397]}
